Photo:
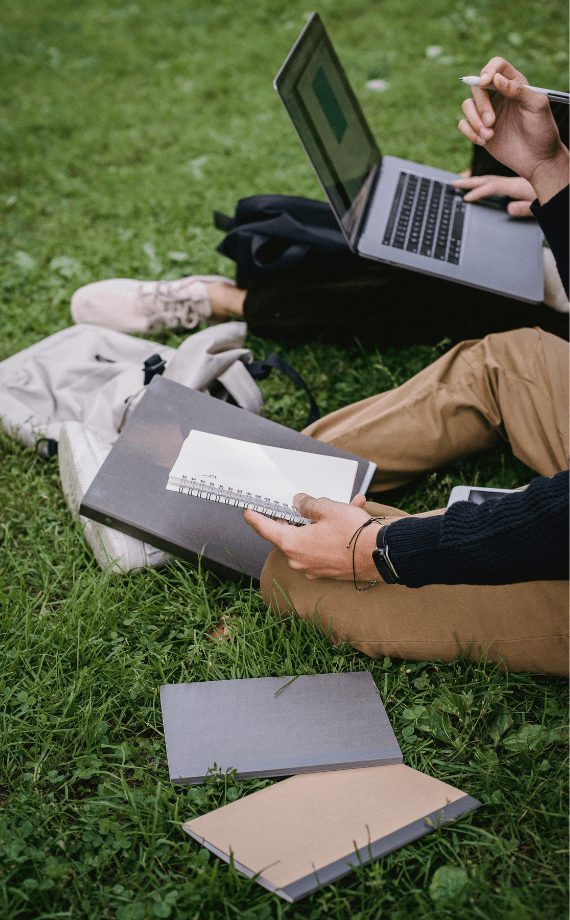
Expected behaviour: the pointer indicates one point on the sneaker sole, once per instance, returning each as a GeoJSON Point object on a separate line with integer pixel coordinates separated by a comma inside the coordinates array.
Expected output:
{"type": "Point", "coordinates": [80, 455]}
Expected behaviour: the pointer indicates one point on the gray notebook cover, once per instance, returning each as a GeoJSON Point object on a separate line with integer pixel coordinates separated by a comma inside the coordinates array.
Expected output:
{"type": "Point", "coordinates": [318, 722]}
{"type": "Point", "coordinates": [129, 491]}
{"type": "Point", "coordinates": [297, 835]}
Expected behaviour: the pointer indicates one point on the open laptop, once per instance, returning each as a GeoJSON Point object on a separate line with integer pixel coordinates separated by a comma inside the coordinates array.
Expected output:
{"type": "Point", "coordinates": [394, 210]}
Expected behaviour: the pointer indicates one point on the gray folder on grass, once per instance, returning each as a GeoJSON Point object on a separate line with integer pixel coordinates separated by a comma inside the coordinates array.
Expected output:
{"type": "Point", "coordinates": [315, 723]}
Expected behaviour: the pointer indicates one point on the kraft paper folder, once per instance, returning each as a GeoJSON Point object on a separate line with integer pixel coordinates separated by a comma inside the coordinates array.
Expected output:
{"type": "Point", "coordinates": [275, 726]}
{"type": "Point", "coordinates": [310, 830]}
{"type": "Point", "coordinates": [129, 491]}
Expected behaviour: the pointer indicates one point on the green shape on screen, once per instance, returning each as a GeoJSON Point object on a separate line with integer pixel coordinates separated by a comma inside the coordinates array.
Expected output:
{"type": "Point", "coordinates": [329, 104]}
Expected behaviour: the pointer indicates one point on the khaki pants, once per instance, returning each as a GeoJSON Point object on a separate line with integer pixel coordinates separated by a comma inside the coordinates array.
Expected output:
{"type": "Point", "coordinates": [510, 386]}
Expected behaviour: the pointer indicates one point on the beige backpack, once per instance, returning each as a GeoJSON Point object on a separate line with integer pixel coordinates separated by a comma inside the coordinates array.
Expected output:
{"type": "Point", "coordinates": [76, 389]}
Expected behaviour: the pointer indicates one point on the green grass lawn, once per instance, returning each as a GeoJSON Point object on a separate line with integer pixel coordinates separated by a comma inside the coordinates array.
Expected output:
{"type": "Point", "coordinates": [124, 125]}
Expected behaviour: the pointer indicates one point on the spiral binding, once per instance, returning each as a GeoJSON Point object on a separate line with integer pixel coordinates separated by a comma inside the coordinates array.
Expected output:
{"type": "Point", "coordinates": [199, 488]}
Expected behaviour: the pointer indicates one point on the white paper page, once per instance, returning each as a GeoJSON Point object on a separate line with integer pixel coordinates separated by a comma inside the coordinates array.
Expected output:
{"type": "Point", "coordinates": [274, 473]}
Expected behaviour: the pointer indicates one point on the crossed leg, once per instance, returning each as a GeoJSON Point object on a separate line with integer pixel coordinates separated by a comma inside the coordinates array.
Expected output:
{"type": "Point", "coordinates": [510, 386]}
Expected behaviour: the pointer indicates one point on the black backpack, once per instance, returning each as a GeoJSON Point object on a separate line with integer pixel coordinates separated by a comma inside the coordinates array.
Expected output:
{"type": "Point", "coordinates": [276, 233]}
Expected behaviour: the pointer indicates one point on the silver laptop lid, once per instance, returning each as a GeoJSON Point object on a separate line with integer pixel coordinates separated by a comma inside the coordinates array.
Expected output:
{"type": "Point", "coordinates": [330, 123]}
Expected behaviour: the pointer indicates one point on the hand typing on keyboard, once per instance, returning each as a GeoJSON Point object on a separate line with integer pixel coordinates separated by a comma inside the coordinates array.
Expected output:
{"type": "Point", "coordinates": [516, 194]}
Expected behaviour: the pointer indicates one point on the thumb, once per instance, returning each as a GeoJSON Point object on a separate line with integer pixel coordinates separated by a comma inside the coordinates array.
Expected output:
{"type": "Point", "coordinates": [515, 89]}
{"type": "Point", "coordinates": [519, 209]}
{"type": "Point", "coordinates": [359, 500]}
{"type": "Point", "coordinates": [312, 508]}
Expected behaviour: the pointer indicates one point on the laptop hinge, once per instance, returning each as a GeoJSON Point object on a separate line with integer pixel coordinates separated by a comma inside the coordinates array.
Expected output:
{"type": "Point", "coordinates": [358, 211]}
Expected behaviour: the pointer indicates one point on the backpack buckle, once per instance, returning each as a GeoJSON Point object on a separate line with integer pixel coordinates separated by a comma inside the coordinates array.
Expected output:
{"type": "Point", "coordinates": [152, 366]}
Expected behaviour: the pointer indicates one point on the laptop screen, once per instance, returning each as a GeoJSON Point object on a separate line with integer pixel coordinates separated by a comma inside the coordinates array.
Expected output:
{"type": "Point", "coordinates": [329, 121]}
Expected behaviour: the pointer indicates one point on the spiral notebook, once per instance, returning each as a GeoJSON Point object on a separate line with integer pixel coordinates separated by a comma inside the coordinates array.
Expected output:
{"type": "Point", "coordinates": [258, 476]}
{"type": "Point", "coordinates": [129, 492]}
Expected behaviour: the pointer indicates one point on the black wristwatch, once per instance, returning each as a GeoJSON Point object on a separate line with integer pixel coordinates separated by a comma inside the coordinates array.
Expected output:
{"type": "Point", "coordinates": [382, 560]}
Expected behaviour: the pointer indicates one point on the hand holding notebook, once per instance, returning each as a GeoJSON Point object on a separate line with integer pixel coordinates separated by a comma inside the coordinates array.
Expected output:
{"type": "Point", "coordinates": [258, 476]}
{"type": "Point", "coordinates": [339, 546]}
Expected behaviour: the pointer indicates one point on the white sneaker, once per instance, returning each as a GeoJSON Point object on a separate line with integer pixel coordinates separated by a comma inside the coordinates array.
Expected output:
{"type": "Point", "coordinates": [80, 454]}
{"type": "Point", "coordinates": [143, 306]}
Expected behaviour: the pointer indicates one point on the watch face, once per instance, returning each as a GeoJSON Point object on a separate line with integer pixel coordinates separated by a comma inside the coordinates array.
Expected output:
{"type": "Point", "coordinates": [384, 567]}
{"type": "Point", "coordinates": [380, 562]}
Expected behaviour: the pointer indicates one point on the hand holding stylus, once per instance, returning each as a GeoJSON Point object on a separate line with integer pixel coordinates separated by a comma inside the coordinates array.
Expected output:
{"type": "Point", "coordinates": [552, 94]}
{"type": "Point", "coordinates": [516, 127]}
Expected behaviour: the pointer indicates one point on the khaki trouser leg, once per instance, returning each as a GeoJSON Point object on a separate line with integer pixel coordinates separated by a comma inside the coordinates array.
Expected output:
{"type": "Point", "coordinates": [524, 627]}
{"type": "Point", "coordinates": [512, 386]}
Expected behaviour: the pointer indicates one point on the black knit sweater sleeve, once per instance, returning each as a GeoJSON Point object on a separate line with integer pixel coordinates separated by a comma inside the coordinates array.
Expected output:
{"type": "Point", "coordinates": [553, 220]}
{"type": "Point", "coordinates": [522, 537]}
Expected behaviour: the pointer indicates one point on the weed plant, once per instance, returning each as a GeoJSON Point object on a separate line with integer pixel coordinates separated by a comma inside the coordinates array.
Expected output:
{"type": "Point", "coordinates": [124, 125]}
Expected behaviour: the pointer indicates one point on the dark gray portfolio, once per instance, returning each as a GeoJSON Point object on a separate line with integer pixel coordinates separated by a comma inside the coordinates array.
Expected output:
{"type": "Point", "coordinates": [275, 726]}
{"type": "Point", "coordinates": [129, 491]}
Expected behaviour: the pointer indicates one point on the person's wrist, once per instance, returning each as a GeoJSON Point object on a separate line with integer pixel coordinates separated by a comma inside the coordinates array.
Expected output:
{"type": "Point", "coordinates": [382, 560]}
{"type": "Point", "coordinates": [550, 176]}
{"type": "Point", "coordinates": [364, 566]}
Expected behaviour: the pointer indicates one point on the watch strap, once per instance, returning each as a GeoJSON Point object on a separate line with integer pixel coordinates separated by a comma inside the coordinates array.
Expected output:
{"type": "Point", "coordinates": [382, 559]}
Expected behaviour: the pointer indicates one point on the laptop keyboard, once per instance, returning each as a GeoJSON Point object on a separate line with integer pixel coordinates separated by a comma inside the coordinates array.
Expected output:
{"type": "Point", "coordinates": [426, 217]}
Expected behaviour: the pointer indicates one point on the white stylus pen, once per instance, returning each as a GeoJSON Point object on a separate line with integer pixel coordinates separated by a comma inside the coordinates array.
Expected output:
{"type": "Point", "coordinates": [551, 93]}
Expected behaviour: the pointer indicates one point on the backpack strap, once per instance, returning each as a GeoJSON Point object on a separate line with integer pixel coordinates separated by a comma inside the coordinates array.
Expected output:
{"type": "Point", "coordinates": [241, 387]}
{"type": "Point", "coordinates": [46, 447]}
{"type": "Point", "coordinates": [260, 370]}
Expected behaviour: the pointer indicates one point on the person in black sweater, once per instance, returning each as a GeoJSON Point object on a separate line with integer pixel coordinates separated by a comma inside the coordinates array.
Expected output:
{"type": "Point", "coordinates": [490, 578]}
{"type": "Point", "coordinates": [330, 293]}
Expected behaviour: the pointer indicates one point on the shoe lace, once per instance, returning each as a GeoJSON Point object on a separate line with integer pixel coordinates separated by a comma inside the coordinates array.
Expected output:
{"type": "Point", "coordinates": [182, 305]}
